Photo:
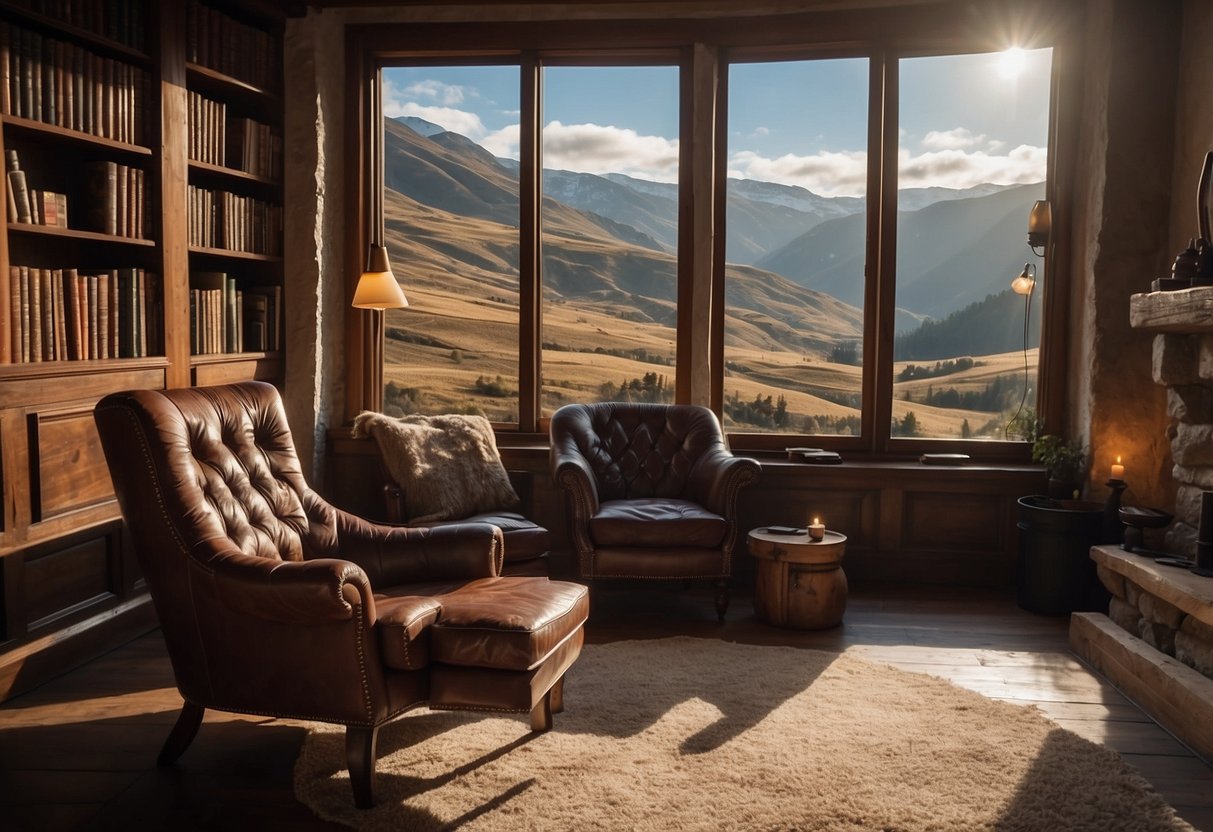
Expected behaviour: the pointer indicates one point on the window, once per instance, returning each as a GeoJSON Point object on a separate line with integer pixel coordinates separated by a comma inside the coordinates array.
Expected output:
{"type": "Point", "coordinates": [450, 207]}
{"type": "Point", "coordinates": [819, 242]}
{"type": "Point", "coordinates": [610, 234]}
{"type": "Point", "coordinates": [796, 219]}
{"type": "Point", "coordinates": [973, 133]}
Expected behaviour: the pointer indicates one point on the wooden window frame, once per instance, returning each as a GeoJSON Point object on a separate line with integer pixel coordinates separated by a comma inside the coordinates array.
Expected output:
{"type": "Point", "coordinates": [706, 47]}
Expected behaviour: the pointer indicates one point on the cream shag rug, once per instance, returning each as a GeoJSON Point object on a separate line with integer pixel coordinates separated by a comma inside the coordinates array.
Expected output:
{"type": "Point", "coordinates": [684, 733]}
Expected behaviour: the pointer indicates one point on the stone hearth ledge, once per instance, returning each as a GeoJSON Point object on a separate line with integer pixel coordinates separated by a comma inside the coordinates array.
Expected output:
{"type": "Point", "coordinates": [1151, 604]}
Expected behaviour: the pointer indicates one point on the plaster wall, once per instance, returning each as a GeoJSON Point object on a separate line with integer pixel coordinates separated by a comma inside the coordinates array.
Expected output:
{"type": "Point", "coordinates": [1122, 233]}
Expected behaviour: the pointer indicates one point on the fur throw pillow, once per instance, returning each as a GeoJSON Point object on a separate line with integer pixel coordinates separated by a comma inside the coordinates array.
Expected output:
{"type": "Point", "coordinates": [448, 466]}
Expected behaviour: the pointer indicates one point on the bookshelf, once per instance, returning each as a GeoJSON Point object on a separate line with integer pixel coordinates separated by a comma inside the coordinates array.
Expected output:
{"type": "Point", "coordinates": [113, 112]}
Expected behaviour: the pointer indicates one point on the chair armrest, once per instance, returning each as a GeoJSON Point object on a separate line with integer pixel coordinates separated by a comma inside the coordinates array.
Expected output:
{"type": "Point", "coordinates": [287, 592]}
{"type": "Point", "coordinates": [717, 478]}
{"type": "Point", "coordinates": [571, 471]}
{"type": "Point", "coordinates": [393, 555]}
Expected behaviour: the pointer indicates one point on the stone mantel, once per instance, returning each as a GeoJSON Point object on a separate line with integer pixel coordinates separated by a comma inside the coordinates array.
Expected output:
{"type": "Point", "coordinates": [1183, 311]}
{"type": "Point", "coordinates": [1189, 592]}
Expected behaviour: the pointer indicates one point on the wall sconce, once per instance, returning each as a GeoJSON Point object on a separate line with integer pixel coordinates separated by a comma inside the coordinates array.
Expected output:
{"type": "Point", "coordinates": [1026, 281]}
{"type": "Point", "coordinates": [1040, 225]}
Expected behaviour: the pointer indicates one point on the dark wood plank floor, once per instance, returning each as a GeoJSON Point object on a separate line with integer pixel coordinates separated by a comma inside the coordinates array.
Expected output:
{"type": "Point", "coordinates": [79, 752]}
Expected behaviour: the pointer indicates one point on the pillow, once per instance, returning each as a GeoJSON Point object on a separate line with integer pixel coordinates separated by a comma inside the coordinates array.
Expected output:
{"type": "Point", "coordinates": [448, 466]}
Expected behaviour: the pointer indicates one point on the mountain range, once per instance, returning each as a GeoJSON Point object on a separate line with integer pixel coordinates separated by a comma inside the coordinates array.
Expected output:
{"type": "Point", "coordinates": [795, 257]}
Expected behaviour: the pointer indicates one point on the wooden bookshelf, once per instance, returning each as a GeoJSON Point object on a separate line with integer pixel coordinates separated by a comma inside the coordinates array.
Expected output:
{"type": "Point", "coordinates": [60, 528]}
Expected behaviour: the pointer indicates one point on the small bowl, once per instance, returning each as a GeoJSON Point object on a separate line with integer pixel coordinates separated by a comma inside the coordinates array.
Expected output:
{"type": "Point", "coordinates": [1144, 518]}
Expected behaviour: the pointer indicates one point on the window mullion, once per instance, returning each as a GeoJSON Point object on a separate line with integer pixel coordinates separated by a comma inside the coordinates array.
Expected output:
{"type": "Point", "coordinates": [880, 309]}
{"type": "Point", "coordinates": [529, 255]}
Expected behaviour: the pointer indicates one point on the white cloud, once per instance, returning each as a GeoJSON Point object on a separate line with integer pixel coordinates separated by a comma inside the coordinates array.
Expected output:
{"type": "Point", "coordinates": [593, 148]}
{"type": "Point", "coordinates": [445, 94]}
{"type": "Point", "coordinates": [761, 131]}
{"type": "Point", "coordinates": [955, 139]}
{"type": "Point", "coordinates": [503, 143]}
{"type": "Point", "coordinates": [449, 118]}
{"type": "Point", "coordinates": [845, 173]}
{"type": "Point", "coordinates": [958, 169]}
{"type": "Point", "coordinates": [825, 173]}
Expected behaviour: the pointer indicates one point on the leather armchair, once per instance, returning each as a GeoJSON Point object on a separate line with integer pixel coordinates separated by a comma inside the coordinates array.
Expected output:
{"type": "Point", "coordinates": [651, 491]}
{"type": "Point", "coordinates": [273, 602]}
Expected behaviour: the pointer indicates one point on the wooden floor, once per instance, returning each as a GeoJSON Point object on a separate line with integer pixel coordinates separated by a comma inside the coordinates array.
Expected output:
{"type": "Point", "coordinates": [79, 752]}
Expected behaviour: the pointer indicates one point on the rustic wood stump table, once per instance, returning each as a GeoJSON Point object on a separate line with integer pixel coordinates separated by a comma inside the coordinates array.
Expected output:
{"type": "Point", "coordinates": [799, 581]}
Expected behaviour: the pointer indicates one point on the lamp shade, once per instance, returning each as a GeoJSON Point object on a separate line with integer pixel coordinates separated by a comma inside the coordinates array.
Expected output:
{"type": "Point", "coordinates": [1025, 282]}
{"type": "Point", "coordinates": [377, 288]}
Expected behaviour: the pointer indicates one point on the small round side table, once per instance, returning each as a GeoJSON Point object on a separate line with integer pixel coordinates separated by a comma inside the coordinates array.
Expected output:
{"type": "Point", "coordinates": [799, 581]}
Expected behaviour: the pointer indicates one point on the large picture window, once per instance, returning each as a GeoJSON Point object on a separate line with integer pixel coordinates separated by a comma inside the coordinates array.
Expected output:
{"type": "Point", "coordinates": [821, 245]}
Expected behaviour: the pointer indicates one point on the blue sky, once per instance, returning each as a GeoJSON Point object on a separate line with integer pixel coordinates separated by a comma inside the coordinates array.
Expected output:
{"type": "Point", "coordinates": [964, 119]}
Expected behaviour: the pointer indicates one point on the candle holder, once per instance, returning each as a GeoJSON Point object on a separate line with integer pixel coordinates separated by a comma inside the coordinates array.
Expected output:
{"type": "Point", "coordinates": [1112, 527]}
{"type": "Point", "coordinates": [817, 531]}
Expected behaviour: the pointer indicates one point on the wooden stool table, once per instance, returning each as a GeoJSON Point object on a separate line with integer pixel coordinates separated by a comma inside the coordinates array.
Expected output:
{"type": "Point", "coordinates": [799, 581]}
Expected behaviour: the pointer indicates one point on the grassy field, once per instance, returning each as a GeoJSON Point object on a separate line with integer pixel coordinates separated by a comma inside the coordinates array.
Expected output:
{"type": "Point", "coordinates": [455, 348]}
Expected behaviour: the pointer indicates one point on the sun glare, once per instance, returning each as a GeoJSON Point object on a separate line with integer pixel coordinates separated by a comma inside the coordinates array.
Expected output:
{"type": "Point", "coordinates": [1011, 62]}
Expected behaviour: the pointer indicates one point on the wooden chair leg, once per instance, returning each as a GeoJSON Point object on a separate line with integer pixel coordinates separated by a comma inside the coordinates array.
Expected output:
{"type": "Point", "coordinates": [722, 599]}
{"type": "Point", "coordinates": [557, 694]}
{"type": "Point", "coordinates": [541, 714]}
{"type": "Point", "coordinates": [360, 759]}
{"type": "Point", "coordinates": [182, 735]}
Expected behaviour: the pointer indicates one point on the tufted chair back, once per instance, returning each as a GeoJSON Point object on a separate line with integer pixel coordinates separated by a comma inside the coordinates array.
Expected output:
{"type": "Point", "coordinates": [651, 491]}
{"type": "Point", "coordinates": [638, 450]}
{"type": "Point", "coordinates": [222, 470]}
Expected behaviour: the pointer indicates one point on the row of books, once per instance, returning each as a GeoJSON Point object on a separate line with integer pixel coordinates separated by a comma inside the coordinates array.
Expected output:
{"type": "Point", "coordinates": [64, 315]}
{"type": "Point", "coordinates": [37, 207]}
{"type": "Point", "coordinates": [119, 20]}
{"type": "Point", "coordinates": [232, 141]}
{"type": "Point", "coordinates": [215, 40]}
{"type": "Point", "coordinates": [116, 199]}
{"type": "Point", "coordinates": [59, 83]}
{"type": "Point", "coordinates": [225, 318]}
{"type": "Point", "coordinates": [219, 219]}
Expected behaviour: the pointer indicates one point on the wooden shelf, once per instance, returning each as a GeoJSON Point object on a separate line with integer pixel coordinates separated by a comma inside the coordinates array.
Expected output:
{"type": "Point", "coordinates": [74, 234]}
{"type": "Point", "coordinates": [212, 79]}
{"type": "Point", "coordinates": [235, 255]}
{"type": "Point", "coordinates": [52, 130]}
{"type": "Point", "coordinates": [235, 174]}
{"type": "Point", "coordinates": [58, 369]}
{"type": "Point", "coordinates": [60, 30]}
{"type": "Point", "coordinates": [227, 357]}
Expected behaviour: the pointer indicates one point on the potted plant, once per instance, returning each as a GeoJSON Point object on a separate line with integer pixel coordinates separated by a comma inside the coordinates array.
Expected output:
{"type": "Point", "coordinates": [1064, 459]}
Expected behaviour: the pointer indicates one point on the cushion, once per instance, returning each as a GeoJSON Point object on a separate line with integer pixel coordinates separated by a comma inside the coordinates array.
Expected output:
{"type": "Point", "coordinates": [447, 465]}
{"type": "Point", "coordinates": [655, 521]}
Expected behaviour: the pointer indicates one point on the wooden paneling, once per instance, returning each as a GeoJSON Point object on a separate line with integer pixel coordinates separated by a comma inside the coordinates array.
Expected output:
{"type": "Point", "coordinates": [904, 521]}
{"type": "Point", "coordinates": [934, 521]}
{"type": "Point", "coordinates": [67, 466]}
{"type": "Point", "coordinates": [228, 371]}
{"type": "Point", "coordinates": [67, 580]}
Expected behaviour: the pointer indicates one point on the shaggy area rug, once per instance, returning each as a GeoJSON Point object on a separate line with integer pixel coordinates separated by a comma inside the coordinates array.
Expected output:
{"type": "Point", "coordinates": [684, 733]}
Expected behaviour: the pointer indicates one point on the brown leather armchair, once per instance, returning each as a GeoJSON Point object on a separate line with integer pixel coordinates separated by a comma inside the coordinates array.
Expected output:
{"type": "Point", "coordinates": [651, 491]}
{"type": "Point", "coordinates": [274, 602]}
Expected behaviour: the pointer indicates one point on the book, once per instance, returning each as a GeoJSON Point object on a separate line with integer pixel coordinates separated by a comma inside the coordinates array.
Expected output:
{"type": "Point", "coordinates": [101, 188]}
{"type": "Point", "coordinates": [20, 193]}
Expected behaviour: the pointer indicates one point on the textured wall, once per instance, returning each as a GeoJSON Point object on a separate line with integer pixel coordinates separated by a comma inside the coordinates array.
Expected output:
{"type": "Point", "coordinates": [1121, 235]}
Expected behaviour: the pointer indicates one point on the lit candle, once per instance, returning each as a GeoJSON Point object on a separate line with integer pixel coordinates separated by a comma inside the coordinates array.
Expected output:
{"type": "Point", "coordinates": [817, 530]}
{"type": "Point", "coordinates": [1118, 470]}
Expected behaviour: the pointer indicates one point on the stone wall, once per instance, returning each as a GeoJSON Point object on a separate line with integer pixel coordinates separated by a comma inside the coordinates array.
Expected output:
{"type": "Point", "coordinates": [1184, 364]}
{"type": "Point", "coordinates": [1159, 623]}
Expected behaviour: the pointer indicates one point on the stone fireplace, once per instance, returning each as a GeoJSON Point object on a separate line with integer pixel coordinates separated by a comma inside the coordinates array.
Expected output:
{"type": "Point", "coordinates": [1156, 642]}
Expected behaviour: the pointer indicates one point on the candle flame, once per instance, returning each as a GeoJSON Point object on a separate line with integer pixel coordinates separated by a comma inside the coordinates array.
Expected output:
{"type": "Point", "coordinates": [1118, 459]}
{"type": "Point", "coordinates": [816, 521]}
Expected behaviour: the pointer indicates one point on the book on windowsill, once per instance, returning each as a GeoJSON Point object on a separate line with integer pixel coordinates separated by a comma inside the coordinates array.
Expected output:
{"type": "Point", "coordinates": [817, 456]}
